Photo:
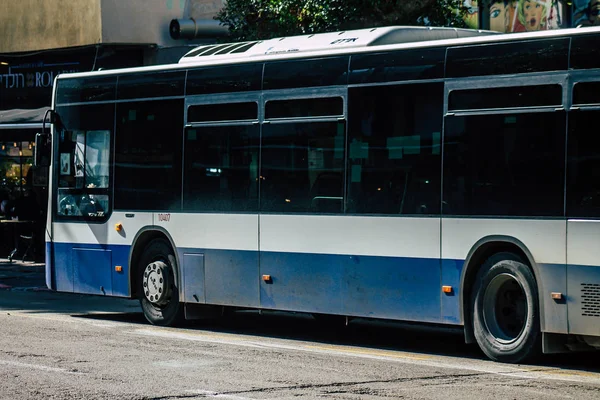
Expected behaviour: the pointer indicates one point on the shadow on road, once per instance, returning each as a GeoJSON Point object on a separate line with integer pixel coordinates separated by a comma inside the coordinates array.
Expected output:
{"type": "Point", "coordinates": [359, 333]}
{"type": "Point", "coordinates": [25, 292]}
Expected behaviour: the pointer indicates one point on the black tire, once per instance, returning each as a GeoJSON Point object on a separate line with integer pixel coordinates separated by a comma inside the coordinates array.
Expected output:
{"type": "Point", "coordinates": [506, 317]}
{"type": "Point", "coordinates": [168, 311]}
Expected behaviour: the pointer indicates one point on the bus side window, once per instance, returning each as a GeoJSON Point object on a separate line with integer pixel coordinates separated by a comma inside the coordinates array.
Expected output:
{"type": "Point", "coordinates": [394, 149]}
{"type": "Point", "coordinates": [583, 180]}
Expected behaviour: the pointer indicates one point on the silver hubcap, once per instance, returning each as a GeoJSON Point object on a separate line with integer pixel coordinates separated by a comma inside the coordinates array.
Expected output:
{"type": "Point", "coordinates": [505, 308]}
{"type": "Point", "coordinates": [156, 283]}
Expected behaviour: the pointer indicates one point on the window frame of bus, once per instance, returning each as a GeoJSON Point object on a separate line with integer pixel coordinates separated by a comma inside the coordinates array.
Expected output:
{"type": "Point", "coordinates": [549, 78]}
{"type": "Point", "coordinates": [302, 95]}
{"type": "Point", "coordinates": [108, 191]}
{"type": "Point", "coordinates": [356, 188]}
{"type": "Point", "coordinates": [487, 98]}
{"type": "Point", "coordinates": [398, 65]}
{"type": "Point", "coordinates": [219, 79]}
{"type": "Point", "coordinates": [327, 71]}
{"type": "Point", "coordinates": [583, 106]}
{"type": "Point", "coordinates": [222, 105]}
{"type": "Point", "coordinates": [167, 113]}
{"type": "Point", "coordinates": [506, 58]}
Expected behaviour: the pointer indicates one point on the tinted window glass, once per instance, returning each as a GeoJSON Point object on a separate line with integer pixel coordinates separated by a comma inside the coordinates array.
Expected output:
{"type": "Point", "coordinates": [306, 73]}
{"type": "Point", "coordinates": [518, 96]}
{"type": "Point", "coordinates": [224, 79]}
{"type": "Point", "coordinates": [394, 149]}
{"type": "Point", "coordinates": [586, 93]}
{"type": "Point", "coordinates": [583, 182]}
{"type": "Point", "coordinates": [315, 107]}
{"type": "Point", "coordinates": [397, 66]}
{"type": "Point", "coordinates": [221, 168]}
{"type": "Point", "coordinates": [86, 89]}
{"type": "Point", "coordinates": [508, 58]}
{"type": "Point", "coordinates": [223, 112]}
{"type": "Point", "coordinates": [302, 167]}
{"type": "Point", "coordinates": [83, 167]}
{"type": "Point", "coordinates": [585, 52]}
{"type": "Point", "coordinates": [504, 165]}
{"type": "Point", "coordinates": [163, 84]}
{"type": "Point", "coordinates": [148, 155]}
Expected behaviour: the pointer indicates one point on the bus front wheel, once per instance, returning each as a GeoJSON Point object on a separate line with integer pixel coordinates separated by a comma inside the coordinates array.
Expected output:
{"type": "Point", "coordinates": [506, 319]}
{"type": "Point", "coordinates": [158, 286]}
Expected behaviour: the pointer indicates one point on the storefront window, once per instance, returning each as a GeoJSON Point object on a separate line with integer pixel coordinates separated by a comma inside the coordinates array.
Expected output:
{"type": "Point", "coordinates": [16, 160]}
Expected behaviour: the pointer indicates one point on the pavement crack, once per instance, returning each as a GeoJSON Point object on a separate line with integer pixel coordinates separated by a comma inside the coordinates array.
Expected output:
{"type": "Point", "coordinates": [183, 396]}
{"type": "Point", "coordinates": [348, 384]}
{"type": "Point", "coordinates": [332, 385]}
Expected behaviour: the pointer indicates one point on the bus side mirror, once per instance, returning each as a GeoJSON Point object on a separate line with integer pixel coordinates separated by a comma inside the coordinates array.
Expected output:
{"type": "Point", "coordinates": [43, 142]}
{"type": "Point", "coordinates": [42, 150]}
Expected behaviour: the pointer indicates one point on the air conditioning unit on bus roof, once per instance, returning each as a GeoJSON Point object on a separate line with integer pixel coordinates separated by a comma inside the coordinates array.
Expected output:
{"type": "Point", "coordinates": [329, 41]}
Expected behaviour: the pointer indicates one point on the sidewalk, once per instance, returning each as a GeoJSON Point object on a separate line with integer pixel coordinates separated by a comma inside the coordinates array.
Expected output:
{"type": "Point", "coordinates": [22, 276]}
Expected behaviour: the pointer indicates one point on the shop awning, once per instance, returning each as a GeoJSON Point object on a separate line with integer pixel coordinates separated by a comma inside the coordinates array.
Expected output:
{"type": "Point", "coordinates": [22, 118]}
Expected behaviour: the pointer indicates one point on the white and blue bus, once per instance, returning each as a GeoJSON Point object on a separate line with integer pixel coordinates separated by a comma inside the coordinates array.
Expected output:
{"type": "Point", "coordinates": [439, 176]}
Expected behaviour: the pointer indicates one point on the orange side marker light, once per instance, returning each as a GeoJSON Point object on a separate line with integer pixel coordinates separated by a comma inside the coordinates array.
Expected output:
{"type": "Point", "coordinates": [556, 296]}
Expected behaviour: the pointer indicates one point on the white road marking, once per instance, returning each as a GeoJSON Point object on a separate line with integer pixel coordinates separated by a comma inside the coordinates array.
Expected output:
{"type": "Point", "coordinates": [37, 367]}
{"type": "Point", "coordinates": [66, 318]}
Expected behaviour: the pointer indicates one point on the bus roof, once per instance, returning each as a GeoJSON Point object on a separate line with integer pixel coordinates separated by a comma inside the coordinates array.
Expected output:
{"type": "Point", "coordinates": [383, 39]}
{"type": "Point", "coordinates": [329, 41]}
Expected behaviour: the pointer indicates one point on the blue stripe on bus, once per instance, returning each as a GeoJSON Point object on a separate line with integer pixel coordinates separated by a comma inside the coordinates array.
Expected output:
{"type": "Point", "coordinates": [90, 268]}
{"type": "Point", "coordinates": [366, 286]}
{"type": "Point", "coordinates": [451, 274]}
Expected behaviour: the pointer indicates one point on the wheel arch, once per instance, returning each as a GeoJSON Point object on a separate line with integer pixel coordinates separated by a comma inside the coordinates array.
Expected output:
{"type": "Point", "coordinates": [481, 251]}
{"type": "Point", "coordinates": [144, 236]}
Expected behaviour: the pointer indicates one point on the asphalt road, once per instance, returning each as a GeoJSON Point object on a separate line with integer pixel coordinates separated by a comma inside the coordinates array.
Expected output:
{"type": "Point", "coordinates": [61, 346]}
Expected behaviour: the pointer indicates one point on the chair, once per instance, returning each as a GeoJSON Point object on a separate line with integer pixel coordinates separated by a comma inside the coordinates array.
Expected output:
{"type": "Point", "coordinates": [27, 239]}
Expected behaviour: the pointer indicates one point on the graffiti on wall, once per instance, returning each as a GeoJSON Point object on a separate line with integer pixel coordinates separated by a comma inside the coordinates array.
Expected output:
{"type": "Point", "coordinates": [586, 12]}
{"type": "Point", "coordinates": [471, 16]}
{"type": "Point", "coordinates": [526, 15]}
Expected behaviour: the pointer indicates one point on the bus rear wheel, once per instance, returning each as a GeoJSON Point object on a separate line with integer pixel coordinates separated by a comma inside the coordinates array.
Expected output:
{"type": "Point", "coordinates": [506, 319]}
{"type": "Point", "coordinates": [158, 286]}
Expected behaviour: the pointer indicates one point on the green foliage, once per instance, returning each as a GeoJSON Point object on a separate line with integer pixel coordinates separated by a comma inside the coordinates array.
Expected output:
{"type": "Point", "coordinates": [264, 19]}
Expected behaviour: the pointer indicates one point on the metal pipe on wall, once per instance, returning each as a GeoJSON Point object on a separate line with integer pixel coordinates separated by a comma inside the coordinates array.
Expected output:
{"type": "Point", "coordinates": [192, 29]}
